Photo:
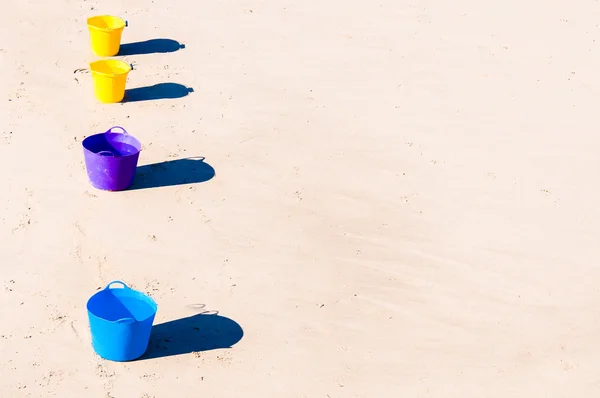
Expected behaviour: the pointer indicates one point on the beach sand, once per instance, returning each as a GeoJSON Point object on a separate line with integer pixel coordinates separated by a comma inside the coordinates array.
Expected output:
{"type": "Point", "coordinates": [404, 199]}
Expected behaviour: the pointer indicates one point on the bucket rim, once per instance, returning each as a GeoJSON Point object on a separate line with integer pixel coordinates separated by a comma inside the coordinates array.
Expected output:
{"type": "Point", "coordinates": [145, 297]}
{"type": "Point", "coordinates": [113, 61]}
{"type": "Point", "coordinates": [137, 142]}
{"type": "Point", "coordinates": [118, 321]}
{"type": "Point", "coordinates": [121, 22]}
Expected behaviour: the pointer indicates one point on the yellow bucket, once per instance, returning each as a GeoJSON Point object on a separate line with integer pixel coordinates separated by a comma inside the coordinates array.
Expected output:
{"type": "Point", "coordinates": [105, 34]}
{"type": "Point", "coordinates": [109, 78]}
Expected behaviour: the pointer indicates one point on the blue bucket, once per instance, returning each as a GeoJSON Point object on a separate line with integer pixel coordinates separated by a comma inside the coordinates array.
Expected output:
{"type": "Point", "coordinates": [120, 322]}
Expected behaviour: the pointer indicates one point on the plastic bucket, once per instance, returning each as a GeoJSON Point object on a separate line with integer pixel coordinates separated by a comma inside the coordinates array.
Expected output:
{"type": "Point", "coordinates": [111, 159]}
{"type": "Point", "coordinates": [120, 322]}
{"type": "Point", "coordinates": [110, 78]}
{"type": "Point", "coordinates": [105, 34]}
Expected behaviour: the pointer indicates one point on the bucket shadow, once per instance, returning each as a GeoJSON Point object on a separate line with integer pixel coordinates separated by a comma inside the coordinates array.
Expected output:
{"type": "Point", "coordinates": [201, 332]}
{"type": "Point", "coordinates": [150, 47]}
{"type": "Point", "coordinates": [173, 172]}
{"type": "Point", "coordinates": [157, 92]}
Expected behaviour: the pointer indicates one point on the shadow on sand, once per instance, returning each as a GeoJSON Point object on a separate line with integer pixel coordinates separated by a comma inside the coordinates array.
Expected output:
{"type": "Point", "coordinates": [201, 332]}
{"type": "Point", "coordinates": [150, 47]}
{"type": "Point", "coordinates": [173, 172]}
{"type": "Point", "coordinates": [157, 92]}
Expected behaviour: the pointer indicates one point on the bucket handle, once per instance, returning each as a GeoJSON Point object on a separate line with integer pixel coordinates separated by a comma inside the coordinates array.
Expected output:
{"type": "Point", "coordinates": [105, 153]}
{"type": "Point", "coordinates": [125, 320]}
{"type": "Point", "coordinates": [123, 131]}
{"type": "Point", "coordinates": [123, 285]}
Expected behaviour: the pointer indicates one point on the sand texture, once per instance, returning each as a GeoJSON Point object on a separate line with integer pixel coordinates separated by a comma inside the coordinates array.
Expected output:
{"type": "Point", "coordinates": [358, 199]}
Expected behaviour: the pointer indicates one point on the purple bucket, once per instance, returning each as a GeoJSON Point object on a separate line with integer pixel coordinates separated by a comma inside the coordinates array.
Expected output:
{"type": "Point", "coordinates": [111, 159]}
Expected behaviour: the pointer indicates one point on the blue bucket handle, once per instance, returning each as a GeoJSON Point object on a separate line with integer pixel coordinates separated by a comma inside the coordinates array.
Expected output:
{"type": "Point", "coordinates": [123, 286]}
{"type": "Point", "coordinates": [124, 320]}
{"type": "Point", "coordinates": [123, 131]}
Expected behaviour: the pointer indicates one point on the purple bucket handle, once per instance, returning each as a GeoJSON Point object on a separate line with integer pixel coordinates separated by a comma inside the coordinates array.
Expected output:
{"type": "Point", "coordinates": [123, 131]}
{"type": "Point", "coordinates": [105, 153]}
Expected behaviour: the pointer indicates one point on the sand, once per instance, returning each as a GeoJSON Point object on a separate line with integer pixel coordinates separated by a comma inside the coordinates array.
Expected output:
{"type": "Point", "coordinates": [404, 200]}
